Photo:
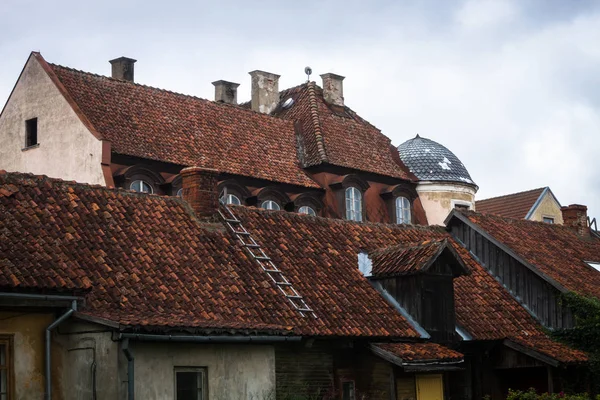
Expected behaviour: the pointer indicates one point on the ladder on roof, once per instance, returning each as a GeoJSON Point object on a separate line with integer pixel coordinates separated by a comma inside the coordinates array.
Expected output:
{"type": "Point", "coordinates": [264, 261]}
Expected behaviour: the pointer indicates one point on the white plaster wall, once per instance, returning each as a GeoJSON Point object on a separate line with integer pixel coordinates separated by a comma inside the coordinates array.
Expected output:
{"type": "Point", "coordinates": [548, 207]}
{"type": "Point", "coordinates": [234, 371]}
{"type": "Point", "coordinates": [66, 149]}
{"type": "Point", "coordinates": [438, 199]}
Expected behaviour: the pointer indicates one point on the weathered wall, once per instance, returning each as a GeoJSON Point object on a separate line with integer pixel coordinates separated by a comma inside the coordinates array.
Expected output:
{"type": "Point", "coordinates": [28, 335]}
{"type": "Point", "coordinates": [548, 207]}
{"type": "Point", "coordinates": [66, 148]}
{"type": "Point", "coordinates": [234, 371]}
{"type": "Point", "coordinates": [439, 199]}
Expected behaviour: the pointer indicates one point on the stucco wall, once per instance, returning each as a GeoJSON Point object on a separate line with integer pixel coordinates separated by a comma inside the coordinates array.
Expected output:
{"type": "Point", "coordinates": [234, 371]}
{"type": "Point", "coordinates": [439, 199]}
{"type": "Point", "coordinates": [28, 340]}
{"type": "Point", "coordinates": [66, 149]}
{"type": "Point", "coordinates": [548, 207]}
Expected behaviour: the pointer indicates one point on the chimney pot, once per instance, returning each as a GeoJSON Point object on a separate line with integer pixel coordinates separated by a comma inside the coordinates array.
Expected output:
{"type": "Point", "coordinates": [200, 190]}
{"type": "Point", "coordinates": [265, 91]}
{"type": "Point", "coordinates": [333, 89]}
{"type": "Point", "coordinates": [122, 68]}
{"type": "Point", "coordinates": [226, 92]}
{"type": "Point", "coordinates": [575, 216]}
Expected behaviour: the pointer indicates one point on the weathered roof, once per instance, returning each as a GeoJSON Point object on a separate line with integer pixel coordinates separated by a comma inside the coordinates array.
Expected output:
{"type": "Point", "coordinates": [555, 250]}
{"type": "Point", "coordinates": [414, 353]}
{"type": "Point", "coordinates": [149, 264]}
{"type": "Point", "coordinates": [337, 135]}
{"type": "Point", "coordinates": [430, 161]}
{"type": "Point", "coordinates": [408, 258]}
{"type": "Point", "coordinates": [160, 125]}
{"type": "Point", "coordinates": [515, 205]}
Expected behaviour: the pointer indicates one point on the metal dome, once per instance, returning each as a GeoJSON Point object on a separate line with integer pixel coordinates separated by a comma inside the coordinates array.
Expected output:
{"type": "Point", "coordinates": [430, 161]}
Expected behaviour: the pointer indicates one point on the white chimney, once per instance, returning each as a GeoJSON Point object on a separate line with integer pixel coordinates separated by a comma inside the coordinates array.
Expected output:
{"type": "Point", "coordinates": [265, 91]}
{"type": "Point", "coordinates": [333, 89]}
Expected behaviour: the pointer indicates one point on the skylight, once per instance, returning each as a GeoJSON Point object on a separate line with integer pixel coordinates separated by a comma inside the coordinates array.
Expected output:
{"type": "Point", "coordinates": [594, 264]}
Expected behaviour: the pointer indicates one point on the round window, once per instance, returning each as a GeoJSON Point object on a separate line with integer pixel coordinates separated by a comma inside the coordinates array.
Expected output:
{"type": "Point", "coordinates": [141, 187]}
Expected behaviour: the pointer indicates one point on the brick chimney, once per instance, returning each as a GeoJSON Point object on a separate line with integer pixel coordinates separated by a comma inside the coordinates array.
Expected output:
{"type": "Point", "coordinates": [265, 91]}
{"type": "Point", "coordinates": [122, 68]}
{"type": "Point", "coordinates": [226, 92]}
{"type": "Point", "coordinates": [333, 89]}
{"type": "Point", "coordinates": [575, 216]}
{"type": "Point", "coordinates": [200, 190]}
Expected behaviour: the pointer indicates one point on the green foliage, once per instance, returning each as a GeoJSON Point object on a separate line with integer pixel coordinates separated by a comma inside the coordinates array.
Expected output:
{"type": "Point", "coordinates": [585, 335]}
{"type": "Point", "coordinates": [532, 395]}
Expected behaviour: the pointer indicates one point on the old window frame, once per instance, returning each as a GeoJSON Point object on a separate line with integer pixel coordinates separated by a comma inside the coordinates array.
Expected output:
{"type": "Point", "coordinates": [204, 380]}
{"type": "Point", "coordinates": [7, 341]}
{"type": "Point", "coordinates": [31, 133]}
{"type": "Point", "coordinates": [142, 183]}
{"type": "Point", "coordinates": [403, 210]}
{"type": "Point", "coordinates": [353, 199]}
{"type": "Point", "coordinates": [352, 394]}
{"type": "Point", "coordinates": [548, 220]}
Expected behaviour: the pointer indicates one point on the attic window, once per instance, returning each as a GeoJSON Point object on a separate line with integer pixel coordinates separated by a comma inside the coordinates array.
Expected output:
{"type": "Point", "coordinates": [353, 204]}
{"type": "Point", "coordinates": [402, 210]}
{"type": "Point", "coordinates": [141, 186]}
{"type": "Point", "coordinates": [31, 134]}
{"type": "Point", "coordinates": [548, 220]}
{"type": "Point", "coordinates": [307, 210]}
{"type": "Point", "coordinates": [288, 103]}
{"type": "Point", "coordinates": [270, 205]}
{"type": "Point", "coordinates": [594, 264]}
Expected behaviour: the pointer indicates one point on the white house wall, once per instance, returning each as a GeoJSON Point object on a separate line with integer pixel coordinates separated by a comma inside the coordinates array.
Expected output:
{"type": "Point", "coordinates": [66, 148]}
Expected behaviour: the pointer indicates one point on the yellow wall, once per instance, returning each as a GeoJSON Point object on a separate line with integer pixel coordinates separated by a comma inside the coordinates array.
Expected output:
{"type": "Point", "coordinates": [548, 207]}
{"type": "Point", "coordinates": [28, 335]}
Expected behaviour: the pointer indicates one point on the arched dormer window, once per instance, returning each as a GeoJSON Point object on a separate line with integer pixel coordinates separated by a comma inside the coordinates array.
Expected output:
{"type": "Point", "coordinates": [230, 192]}
{"type": "Point", "coordinates": [399, 199]}
{"type": "Point", "coordinates": [270, 198]}
{"type": "Point", "coordinates": [231, 199]}
{"type": "Point", "coordinates": [354, 204]}
{"type": "Point", "coordinates": [403, 214]}
{"type": "Point", "coordinates": [308, 203]}
{"type": "Point", "coordinates": [308, 210]}
{"type": "Point", "coordinates": [140, 178]}
{"type": "Point", "coordinates": [350, 190]}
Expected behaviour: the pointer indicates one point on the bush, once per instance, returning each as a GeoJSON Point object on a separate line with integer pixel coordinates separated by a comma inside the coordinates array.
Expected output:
{"type": "Point", "coordinates": [532, 395]}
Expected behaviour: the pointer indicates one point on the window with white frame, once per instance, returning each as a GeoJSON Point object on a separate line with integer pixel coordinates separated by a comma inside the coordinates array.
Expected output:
{"type": "Point", "coordinates": [548, 220]}
{"type": "Point", "coordinates": [191, 384]}
{"type": "Point", "coordinates": [353, 204]}
{"type": "Point", "coordinates": [270, 205]}
{"type": "Point", "coordinates": [402, 210]}
{"type": "Point", "coordinates": [307, 210]}
{"type": "Point", "coordinates": [141, 186]}
{"type": "Point", "coordinates": [231, 199]}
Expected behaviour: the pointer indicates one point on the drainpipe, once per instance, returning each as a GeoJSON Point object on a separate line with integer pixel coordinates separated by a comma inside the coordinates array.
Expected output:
{"type": "Point", "coordinates": [49, 329]}
{"type": "Point", "coordinates": [130, 375]}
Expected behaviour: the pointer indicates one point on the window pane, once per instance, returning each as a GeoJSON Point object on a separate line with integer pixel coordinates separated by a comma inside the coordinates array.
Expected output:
{"type": "Point", "coordinates": [270, 205]}
{"type": "Point", "coordinates": [353, 204]}
{"type": "Point", "coordinates": [3, 381]}
{"type": "Point", "coordinates": [307, 210]}
{"type": "Point", "coordinates": [140, 187]}
{"type": "Point", "coordinates": [402, 210]}
{"type": "Point", "coordinates": [2, 354]}
{"type": "Point", "coordinates": [188, 385]}
{"type": "Point", "coordinates": [231, 199]}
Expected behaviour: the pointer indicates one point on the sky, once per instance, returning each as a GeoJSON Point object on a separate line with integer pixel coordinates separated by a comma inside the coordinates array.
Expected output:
{"type": "Point", "coordinates": [512, 87]}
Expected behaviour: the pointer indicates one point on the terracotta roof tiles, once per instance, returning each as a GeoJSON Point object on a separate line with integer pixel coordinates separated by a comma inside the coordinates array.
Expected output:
{"type": "Point", "coordinates": [515, 205]}
{"type": "Point", "coordinates": [421, 352]}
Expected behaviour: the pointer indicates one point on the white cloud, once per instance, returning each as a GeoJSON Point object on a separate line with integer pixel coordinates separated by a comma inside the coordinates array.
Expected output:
{"type": "Point", "coordinates": [477, 14]}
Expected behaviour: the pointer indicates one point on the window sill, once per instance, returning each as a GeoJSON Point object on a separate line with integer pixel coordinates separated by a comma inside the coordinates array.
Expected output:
{"type": "Point", "coordinates": [35, 146]}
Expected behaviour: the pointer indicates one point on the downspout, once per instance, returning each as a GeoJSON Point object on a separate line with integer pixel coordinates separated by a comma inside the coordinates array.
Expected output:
{"type": "Point", "coordinates": [130, 371]}
{"type": "Point", "coordinates": [49, 329]}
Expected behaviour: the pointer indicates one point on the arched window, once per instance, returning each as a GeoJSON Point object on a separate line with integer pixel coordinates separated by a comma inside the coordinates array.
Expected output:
{"type": "Point", "coordinates": [141, 186]}
{"type": "Point", "coordinates": [307, 210]}
{"type": "Point", "coordinates": [353, 204]}
{"type": "Point", "coordinates": [179, 192]}
{"type": "Point", "coordinates": [402, 210]}
{"type": "Point", "coordinates": [231, 199]}
{"type": "Point", "coordinates": [270, 205]}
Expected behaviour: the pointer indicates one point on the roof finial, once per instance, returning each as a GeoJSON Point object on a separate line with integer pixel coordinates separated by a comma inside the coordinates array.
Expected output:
{"type": "Point", "coordinates": [417, 136]}
{"type": "Point", "coordinates": [307, 71]}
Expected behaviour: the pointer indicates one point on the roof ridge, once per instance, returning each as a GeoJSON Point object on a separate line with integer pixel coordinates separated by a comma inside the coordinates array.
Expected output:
{"type": "Point", "coordinates": [518, 220]}
{"type": "Point", "coordinates": [188, 96]}
{"type": "Point", "coordinates": [314, 113]}
{"type": "Point", "coordinates": [514, 194]}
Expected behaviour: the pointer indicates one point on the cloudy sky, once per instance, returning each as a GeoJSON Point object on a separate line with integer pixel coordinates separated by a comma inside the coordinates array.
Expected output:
{"type": "Point", "coordinates": [511, 86]}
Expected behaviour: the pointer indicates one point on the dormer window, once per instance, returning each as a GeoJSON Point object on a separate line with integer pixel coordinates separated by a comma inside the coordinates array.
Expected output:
{"type": "Point", "coordinates": [270, 205]}
{"type": "Point", "coordinates": [307, 210]}
{"type": "Point", "coordinates": [402, 210]}
{"type": "Point", "coordinates": [231, 199]}
{"type": "Point", "coordinates": [141, 186]}
{"type": "Point", "coordinates": [354, 206]}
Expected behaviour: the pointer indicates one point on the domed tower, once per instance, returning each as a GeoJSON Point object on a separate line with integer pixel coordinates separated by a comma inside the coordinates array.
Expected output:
{"type": "Point", "coordinates": [444, 182]}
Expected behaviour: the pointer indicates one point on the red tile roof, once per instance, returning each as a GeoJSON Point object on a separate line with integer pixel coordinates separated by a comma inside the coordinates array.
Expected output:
{"type": "Point", "coordinates": [405, 258]}
{"type": "Point", "coordinates": [516, 205]}
{"type": "Point", "coordinates": [337, 135]}
{"type": "Point", "coordinates": [555, 250]}
{"type": "Point", "coordinates": [421, 352]}
{"type": "Point", "coordinates": [156, 124]}
{"type": "Point", "coordinates": [148, 263]}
